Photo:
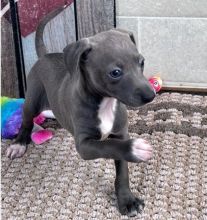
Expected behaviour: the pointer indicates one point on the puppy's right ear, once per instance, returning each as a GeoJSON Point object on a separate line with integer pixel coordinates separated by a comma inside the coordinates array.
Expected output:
{"type": "Point", "coordinates": [75, 53]}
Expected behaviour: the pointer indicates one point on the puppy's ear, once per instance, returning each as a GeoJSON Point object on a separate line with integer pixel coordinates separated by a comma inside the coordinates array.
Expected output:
{"type": "Point", "coordinates": [75, 53]}
{"type": "Point", "coordinates": [129, 33]}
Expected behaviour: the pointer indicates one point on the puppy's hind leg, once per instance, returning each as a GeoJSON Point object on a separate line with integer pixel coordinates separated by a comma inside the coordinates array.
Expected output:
{"type": "Point", "coordinates": [32, 107]}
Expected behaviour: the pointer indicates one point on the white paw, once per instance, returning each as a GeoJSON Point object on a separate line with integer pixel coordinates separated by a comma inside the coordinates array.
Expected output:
{"type": "Point", "coordinates": [15, 151]}
{"type": "Point", "coordinates": [141, 149]}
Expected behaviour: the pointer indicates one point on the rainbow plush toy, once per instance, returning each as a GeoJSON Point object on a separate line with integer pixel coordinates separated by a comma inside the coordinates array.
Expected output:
{"type": "Point", "coordinates": [11, 120]}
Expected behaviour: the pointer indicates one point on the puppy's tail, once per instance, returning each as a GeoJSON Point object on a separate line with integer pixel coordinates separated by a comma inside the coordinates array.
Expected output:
{"type": "Point", "coordinates": [39, 43]}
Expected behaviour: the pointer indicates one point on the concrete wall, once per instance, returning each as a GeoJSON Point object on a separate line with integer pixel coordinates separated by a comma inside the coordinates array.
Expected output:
{"type": "Point", "coordinates": [172, 36]}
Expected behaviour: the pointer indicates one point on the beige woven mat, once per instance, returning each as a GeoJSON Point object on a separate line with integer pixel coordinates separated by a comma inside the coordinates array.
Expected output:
{"type": "Point", "coordinates": [52, 182]}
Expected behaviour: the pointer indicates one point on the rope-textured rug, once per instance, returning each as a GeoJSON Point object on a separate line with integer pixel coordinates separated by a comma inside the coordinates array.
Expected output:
{"type": "Point", "coordinates": [51, 181]}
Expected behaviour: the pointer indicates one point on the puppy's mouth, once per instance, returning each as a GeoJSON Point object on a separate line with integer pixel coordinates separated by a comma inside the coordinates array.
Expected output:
{"type": "Point", "coordinates": [132, 102]}
{"type": "Point", "coordinates": [134, 97]}
{"type": "Point", "coordinates": [135, 102]}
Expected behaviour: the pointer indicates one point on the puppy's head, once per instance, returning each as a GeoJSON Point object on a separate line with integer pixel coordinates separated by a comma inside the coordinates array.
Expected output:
{"type": "Point", "coordinates": [111, 65]}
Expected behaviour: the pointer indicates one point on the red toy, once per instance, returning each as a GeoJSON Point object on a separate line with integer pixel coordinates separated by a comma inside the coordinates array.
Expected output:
{"type": "Point", "coordinates": [156, 83]}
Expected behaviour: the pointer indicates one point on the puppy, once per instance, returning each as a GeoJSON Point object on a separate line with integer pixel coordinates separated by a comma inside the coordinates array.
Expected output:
{"type": "Point", "coordinates": [87, 87]}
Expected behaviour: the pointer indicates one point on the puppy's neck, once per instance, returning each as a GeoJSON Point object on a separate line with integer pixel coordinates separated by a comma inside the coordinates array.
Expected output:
{"type": "Point", "coordinates": [86, 93]}
{"type": "Point", "coordinates": [86, 85]}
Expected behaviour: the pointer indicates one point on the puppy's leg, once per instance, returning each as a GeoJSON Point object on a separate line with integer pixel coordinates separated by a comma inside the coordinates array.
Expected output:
{"type": "Point", "coordinates": [18, 148]}
{"type": "Point", "coordinates": [32, 107]}
{"type": "Point", "coordinates": [120, 148]}
{"type": "Point", "coordinates": [131, 150]}
{"type": "Point", "coordinates": [127, 202]}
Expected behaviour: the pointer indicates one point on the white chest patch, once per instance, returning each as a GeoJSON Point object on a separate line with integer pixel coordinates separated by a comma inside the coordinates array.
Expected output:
{"type": "Point", "coordinates": [106, 114]}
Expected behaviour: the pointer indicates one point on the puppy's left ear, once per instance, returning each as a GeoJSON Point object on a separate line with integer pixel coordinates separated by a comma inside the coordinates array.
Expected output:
{"type": "Point", "coordinates": [76, 53]}
{"type": "Point", "coordinates": [129, 33]}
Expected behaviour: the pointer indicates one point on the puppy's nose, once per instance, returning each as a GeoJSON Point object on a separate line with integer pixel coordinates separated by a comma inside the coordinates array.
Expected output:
{"type": "Point", "coordinates": [148, 97]}
{"type": "Point", "coordinates": [148, 94]}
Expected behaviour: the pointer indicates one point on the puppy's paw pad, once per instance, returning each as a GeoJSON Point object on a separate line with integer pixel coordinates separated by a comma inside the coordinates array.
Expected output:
{"type": "Point", "coordinates": [15, 151]}
{"type": "Point", "coordinates": [141, 149]}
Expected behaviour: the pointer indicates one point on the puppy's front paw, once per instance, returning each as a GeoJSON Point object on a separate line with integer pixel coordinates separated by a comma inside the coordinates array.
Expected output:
{"type": "Point", "coordinates": [130, 205]}
{"type": "Point", "coordinates": [141, 150]}
{"type": "Point", "coordinates": [15, 151]}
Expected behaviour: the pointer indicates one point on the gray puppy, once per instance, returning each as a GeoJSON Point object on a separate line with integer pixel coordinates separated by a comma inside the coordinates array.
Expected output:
{"type": "Point", "coordinates": [87, 87]}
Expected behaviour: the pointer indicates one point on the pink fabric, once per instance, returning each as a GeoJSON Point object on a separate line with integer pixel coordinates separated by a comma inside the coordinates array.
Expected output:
{"type": "Point", "coordinates": [39, 119]}
{"type": "Point", "coordinates": [41, 136]}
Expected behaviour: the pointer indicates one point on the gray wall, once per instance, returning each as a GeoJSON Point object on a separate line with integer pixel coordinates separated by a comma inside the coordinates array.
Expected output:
{"type": "Point", "coordinates": [172, 36]}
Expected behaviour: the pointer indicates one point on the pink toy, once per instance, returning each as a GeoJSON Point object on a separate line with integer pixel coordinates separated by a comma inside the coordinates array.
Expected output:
{"type": "Point", "coordinates": [39, 135]}
{"type": "Point", "coordinates": [39, 119]}
{"type": "Point", "coordinates": [156, 83]}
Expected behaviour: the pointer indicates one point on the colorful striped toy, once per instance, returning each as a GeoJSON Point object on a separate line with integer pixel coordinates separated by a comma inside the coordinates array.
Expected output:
{"type": "Point", "coordinates": [11, 120]}
{"type": "Point", "coordinates": [11, 116]}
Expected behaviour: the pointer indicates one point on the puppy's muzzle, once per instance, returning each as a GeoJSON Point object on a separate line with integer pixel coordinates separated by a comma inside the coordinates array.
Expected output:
{"type": "Point", "coordinates": [146, 93]}
{"type": "Point", "coordinates": [148, 97]}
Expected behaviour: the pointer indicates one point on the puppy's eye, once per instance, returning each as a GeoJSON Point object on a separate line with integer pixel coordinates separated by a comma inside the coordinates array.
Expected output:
{"type": "Point", "coordinates": [142, 63]}
{"type": "Point", "coordinates": [115, 74]}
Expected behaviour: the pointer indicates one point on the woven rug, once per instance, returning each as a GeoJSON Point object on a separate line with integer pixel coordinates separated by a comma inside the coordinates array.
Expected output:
{"type": "Point", "coordinates": [52, 182]}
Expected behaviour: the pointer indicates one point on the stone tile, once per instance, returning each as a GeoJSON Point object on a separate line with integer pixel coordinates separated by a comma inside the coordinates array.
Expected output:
{"type": "Point", "coordinates": [130, 24]}
{"type": "Point", "coordinates": [162, 8]}
{"type": "Point", "coordinates": [176, 48]}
